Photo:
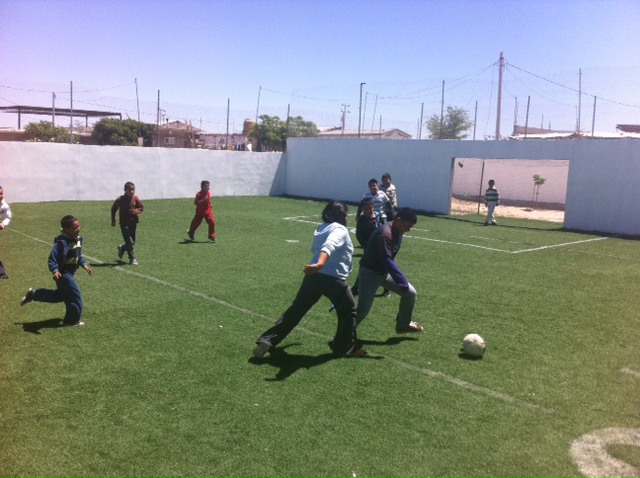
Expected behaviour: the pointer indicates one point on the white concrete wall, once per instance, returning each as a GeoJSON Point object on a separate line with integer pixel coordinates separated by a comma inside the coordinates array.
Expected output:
{"type": "Point", "coordinates": [35, 172]}
{"type": "Point", "coordinates": [603, 182]}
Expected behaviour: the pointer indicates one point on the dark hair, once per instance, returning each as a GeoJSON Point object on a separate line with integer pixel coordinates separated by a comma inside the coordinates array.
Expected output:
{"type": "Point", "coordinates": [203, 184]}
{"type": "Point", "coordinates": [335, 211]}
{"type": "Point", "coordinates": [366, 201]}
{"type": "Point", "coordinates": [386, 176]}
{"type": "Point", "coordinates": [67, 221]}
{"type": "Point", "coordinates": [407, 214]}
{"type": "Point", "coordinates": [373, 181]}
{"type": "Point", "coordinates": [128, 184]}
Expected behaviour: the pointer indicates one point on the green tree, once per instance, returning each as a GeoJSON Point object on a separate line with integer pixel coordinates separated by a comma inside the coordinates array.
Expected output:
{"type": "Point", "coordinates": [115, 132]}
{"type": "Point", "coordinates": [47, 132]}
{"type": "Point", "coordinates": [272, 132]}
{"type": "Point", "coordinates": [298, 127]}
{"type": "Point", "coordinates": [454, 124]}
{"type": "Point", "coordinates": [537, 182]}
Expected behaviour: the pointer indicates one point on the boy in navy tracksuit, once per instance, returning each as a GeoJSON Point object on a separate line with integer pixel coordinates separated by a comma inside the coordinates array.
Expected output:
{"type": "Point", "coordinates": [64, 260]}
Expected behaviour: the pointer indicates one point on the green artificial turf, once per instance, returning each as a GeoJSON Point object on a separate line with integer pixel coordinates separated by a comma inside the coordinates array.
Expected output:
{"type": "Point", "coordinates": [161, 380]}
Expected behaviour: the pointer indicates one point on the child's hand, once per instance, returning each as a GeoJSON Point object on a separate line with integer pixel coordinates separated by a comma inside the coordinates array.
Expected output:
{"type": "Point", "coordinates": [56, 276]}
{"type": "Point", "coordinates": [89, 270]}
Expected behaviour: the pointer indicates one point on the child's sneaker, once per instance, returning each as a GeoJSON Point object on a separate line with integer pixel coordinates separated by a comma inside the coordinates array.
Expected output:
{"type": "Point", "coordinates": [120, 251]}
{"type": "Point", "coordinates": [191, 236]}
{"type": "Point", "coordinates": [28, 297]}
{"type": "Point", "coordinates": [133, 262]}
{"type": "Point", "coordinates": [212, 239]}
{"type": "Point", "coordinates": [77, 324]}
{"type": "Point", "coordinates": [262, 349]}
{"type": "Point", "coordinates": [412, 328]}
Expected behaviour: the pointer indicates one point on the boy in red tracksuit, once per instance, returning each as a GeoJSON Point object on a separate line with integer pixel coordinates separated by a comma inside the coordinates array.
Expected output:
{"type": "Point", "coordinates": [204, 210]}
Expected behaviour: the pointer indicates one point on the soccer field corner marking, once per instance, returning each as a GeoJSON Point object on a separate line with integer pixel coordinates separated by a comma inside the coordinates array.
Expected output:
{"type": "Point", "coordinates": [589, 452]}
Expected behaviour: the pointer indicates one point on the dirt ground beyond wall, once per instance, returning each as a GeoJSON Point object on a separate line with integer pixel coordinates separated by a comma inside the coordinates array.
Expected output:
{"type": "Point", "coordinates": [460, 207]}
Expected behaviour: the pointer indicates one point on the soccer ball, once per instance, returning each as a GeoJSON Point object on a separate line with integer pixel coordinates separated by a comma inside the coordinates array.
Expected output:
{"type": "Point", "coordinates": [473, 345]}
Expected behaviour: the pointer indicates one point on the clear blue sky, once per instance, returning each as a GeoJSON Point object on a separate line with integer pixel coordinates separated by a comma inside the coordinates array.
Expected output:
{"type": "Point", "coordinates": [313, 55]}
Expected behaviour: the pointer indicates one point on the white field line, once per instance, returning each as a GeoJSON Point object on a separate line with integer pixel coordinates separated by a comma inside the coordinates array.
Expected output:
{"type": "Point", "coordinates": [628, 371]}
{"type": "Point", "coordinates": [425, 371]}
{"type": "Point", "coordinates": [542, 248]}
{"type": "Point", "coordinates": [560, 245]}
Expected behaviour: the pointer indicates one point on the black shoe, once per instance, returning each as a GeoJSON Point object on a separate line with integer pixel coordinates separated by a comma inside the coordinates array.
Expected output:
{"type": "Point", "coordinates": [191, 236]}
{"type": "Point", "coordinates": [121, 251]}
{"type": "Point", "coordinates": [212, 239]}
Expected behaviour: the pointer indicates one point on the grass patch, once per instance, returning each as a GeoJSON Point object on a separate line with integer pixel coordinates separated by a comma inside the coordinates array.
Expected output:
{"type": "Point", "coordinates": [161, 381]}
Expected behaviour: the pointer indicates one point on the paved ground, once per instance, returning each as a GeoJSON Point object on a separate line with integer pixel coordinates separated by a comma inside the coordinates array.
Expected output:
{"type": "Point", "coordinates": [459, 207]}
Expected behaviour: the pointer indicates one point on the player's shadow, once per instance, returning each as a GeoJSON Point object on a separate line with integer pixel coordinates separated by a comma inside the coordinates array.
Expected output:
{"type": "Point", "coordinates": [189, 241]}
{"type": "Point", "coordinates": [390, 341]}
{"type": "Point", "coordinates": [36, 327]}
{"type": "Point", "coordinates": [108, 264]}
{"type": "Point", "coordinates": [288, 364]}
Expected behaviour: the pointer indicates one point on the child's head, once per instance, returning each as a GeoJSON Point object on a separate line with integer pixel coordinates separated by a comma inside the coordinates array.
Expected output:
{"type": "Point", "coordinates": [204, 185]}
{"type": "Point", "coordinates": [405, 219]}
{"type": "Point", "coordinates": [373, 186]}
{"type": "Point", "coordinates": [367, 207]}
{"type": "Point", "coordinates": [129, 188]}
{"type": "Point", "coordinates": [70, 226]}
{"type": "Point", "coordinates": [386, 180]}
{"type": "Point", "coordinates": [491, 183]}
{"type": "Point", "coordinates": [1, 194]}
{"type": "Point", "coordinates": [335, 211]}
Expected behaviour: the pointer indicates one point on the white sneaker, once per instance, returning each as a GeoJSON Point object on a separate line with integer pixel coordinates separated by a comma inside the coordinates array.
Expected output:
{"type": "Point", "coordinates": [412, 328]}
{"type": "Point", "coordinates": [28, 297]}
{"type": "Point", "coordinates": [79, 324]}
{"type": "Point", "coordinates": [133, 262]}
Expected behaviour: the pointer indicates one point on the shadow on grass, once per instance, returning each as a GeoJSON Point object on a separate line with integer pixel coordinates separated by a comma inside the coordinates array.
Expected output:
{"type": "Point", "coordinates": [189, 241]}
{"type": "Point", "coordinates": [389, 341]}
{"type": "Point", "coordinates": [465, 356]}
{"type": "Point", "coordinates": [288, 364]}
{"type": "Point", "coordinates": [36, 327]}
{"type": "Point", "coordinates": [108, 264]}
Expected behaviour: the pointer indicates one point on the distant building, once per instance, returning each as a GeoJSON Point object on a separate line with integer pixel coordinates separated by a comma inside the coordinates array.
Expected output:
{"type": "Point", "coordinates": [233, 141]}
{"type": "Point", "coordinates": [176, 134]}
{"type": "Point", "coordinates": [629, 128]}
{"type": "Point", "coordinates": [522, 133]}
{"type": "Point", "coordinates": [336, 132]}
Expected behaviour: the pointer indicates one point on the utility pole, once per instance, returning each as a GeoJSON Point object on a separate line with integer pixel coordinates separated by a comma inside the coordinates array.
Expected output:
{"type": "Point", "coordinates": [226, 146]}
{"type": "Point", "coordinates": [158, 123]}
{"type": "Point", "coordinates": [421, 118]}
{"type": "Point", "coordinates": [53, 108]}
{"type": "Point", "coordinates": [579, 99]}
{"type": "Point", "coordinates": [360, 110]}
{"type": "Point", "coordinates": [258, 105]}
{"type": "Point", "coordinates": [71, 110]}
{"type": "Point", "coordinates": [375, 106]}
{"type": "Point", "coordinates": [140, 143]}
{"type": "Point", "coordinates": [500, 71]}
{"type": "Point", "coordinates": [344, 114]}
{"type": "Point", "coordinates": [475, 120]}
{"type": "Point", "coordinates": [441, 112]}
